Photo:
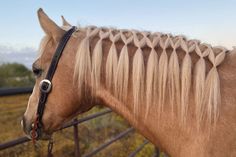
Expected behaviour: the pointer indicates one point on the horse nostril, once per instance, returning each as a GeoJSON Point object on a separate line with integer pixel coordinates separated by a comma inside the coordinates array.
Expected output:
{"type": "Point", "coordinates": [21, 123]}
{"type": "Point", "coordinates": [26, 125]}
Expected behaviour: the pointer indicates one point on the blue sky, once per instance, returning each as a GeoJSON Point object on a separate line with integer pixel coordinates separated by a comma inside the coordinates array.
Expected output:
{"type": "Point", "coordinates": [211, 21]}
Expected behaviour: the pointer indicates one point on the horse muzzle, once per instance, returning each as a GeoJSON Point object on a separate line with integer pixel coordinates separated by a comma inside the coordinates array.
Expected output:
{"type": "Point", "coordinates": [38, 134]}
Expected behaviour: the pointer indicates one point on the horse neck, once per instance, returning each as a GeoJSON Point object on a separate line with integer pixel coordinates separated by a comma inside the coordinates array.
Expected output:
{"type": "Point", "coordinates": [151, 126]}
{"type": "Point", "coordinates": [165, 132]}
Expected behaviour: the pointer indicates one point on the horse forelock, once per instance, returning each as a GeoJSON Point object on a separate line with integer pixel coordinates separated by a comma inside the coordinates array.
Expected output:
{"type": "Point", "coordinates": [43, 44]}
{"type": "Point", "coordinates": [162, 73]}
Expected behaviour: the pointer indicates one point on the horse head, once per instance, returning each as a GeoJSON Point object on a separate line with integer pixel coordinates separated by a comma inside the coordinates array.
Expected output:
{"type": "Point", "coordinates": [63, 102]}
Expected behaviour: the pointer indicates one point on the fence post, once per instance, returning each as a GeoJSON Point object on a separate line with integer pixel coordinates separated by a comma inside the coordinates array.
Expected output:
{"type": "Point", "coordinates": [76, 140]}
{"type": "Point", "coordinates": [157, 152]}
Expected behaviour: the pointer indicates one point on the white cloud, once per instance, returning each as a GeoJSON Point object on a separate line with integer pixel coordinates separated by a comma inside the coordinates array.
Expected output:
{"type": "Point", "coordinates": [9, 54]}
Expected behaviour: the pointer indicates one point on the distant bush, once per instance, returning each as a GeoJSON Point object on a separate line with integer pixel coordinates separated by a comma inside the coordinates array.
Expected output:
{"type": "Point", "coordinates": [15, 75]}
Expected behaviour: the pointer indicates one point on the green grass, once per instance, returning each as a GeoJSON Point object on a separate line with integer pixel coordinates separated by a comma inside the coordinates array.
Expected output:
{"type": "Point", "coordinates": [91, 134]}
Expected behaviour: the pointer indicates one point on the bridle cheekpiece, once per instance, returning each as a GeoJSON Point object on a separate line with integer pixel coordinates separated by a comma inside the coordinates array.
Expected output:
{"type": "Point", "coordinates": [46, 86]}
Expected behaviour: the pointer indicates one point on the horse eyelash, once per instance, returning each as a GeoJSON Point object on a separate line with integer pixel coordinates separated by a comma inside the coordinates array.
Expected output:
{"type": "Point", "coordinates": [37, 71]}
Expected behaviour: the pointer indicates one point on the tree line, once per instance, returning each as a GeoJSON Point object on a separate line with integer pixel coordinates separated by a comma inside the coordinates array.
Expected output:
{"type": "Point", "coordinates": [15, 75]}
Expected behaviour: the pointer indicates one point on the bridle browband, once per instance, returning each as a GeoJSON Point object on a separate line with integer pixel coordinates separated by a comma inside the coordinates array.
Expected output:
{"type": "Point", "coordinates": [45, 85]}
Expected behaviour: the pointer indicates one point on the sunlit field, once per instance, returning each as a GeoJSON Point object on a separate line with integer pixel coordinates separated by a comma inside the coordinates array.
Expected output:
{"type": "Point", "coordinates": [91, 134]}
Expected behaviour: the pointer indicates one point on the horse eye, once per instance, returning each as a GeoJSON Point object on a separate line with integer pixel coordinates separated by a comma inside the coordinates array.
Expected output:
{"type": "Point", "coordinates": [37, 72]}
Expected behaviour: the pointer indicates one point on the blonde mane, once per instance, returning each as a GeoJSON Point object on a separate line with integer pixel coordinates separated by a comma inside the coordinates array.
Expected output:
{"type": "Point", "coordinates": [161, 75]}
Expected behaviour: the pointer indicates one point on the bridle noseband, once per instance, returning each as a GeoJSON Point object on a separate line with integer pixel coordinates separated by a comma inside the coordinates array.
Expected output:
{"type": "Point", "coordinates": [46, 86]}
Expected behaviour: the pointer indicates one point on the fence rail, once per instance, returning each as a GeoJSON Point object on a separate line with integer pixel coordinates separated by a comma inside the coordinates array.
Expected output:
{"type": "Point", "coordinates": [24, 139]}
{"type": "Point", "coordinates": [15, 91]}
{"type": "Point", "coordinates": [101, 147]}
{"type": "Point", "coordinates": [74, 124]}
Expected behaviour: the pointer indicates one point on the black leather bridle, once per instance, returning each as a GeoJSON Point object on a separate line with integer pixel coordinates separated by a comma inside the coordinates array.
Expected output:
{"type": "Point", "coordinates": [46, 85]}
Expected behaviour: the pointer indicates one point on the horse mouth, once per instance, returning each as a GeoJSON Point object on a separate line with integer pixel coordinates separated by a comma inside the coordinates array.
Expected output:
{"type": "Point", "coordinates": [42, 136]}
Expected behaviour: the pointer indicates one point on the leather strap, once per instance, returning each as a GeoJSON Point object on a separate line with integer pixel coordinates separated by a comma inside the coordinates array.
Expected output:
{"type": "Point", "coordinates": [52, 68]}
{"type": "Point", "coordinates": [58, 53]}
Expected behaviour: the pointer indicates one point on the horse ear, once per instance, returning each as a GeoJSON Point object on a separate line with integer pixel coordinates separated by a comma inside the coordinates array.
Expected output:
{"type": "Point", "coordinates": [49, 27]}
{"type": "Point", "coordinates": [64, 22]}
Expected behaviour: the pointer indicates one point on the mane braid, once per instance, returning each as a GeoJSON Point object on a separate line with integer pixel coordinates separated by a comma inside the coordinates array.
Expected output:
{"type": "Point", "coordinates": [212, 98]}
{"type": "Point", "coordinates": [185, 82]}
{"type": "Point", "coordinates": [152, 81]}
{"type": "Point", "coordinates": [82, 73]}
{"type": "Point", "coordinates": [163, 66]}
{"type": "Point", "coordinates": [97, 61]}
{"type": "Point", "coordinates": [138, 74]}
{"type": "Point", "coordinates": [152, 76]}
{"type": "Point", "coordinates": [199, 83]}
{"type": "Point", "coordinates": [122, 74]}
{"type": "Point", "coordinates": [173, 77]}
{"type": "Point", "coordinates": [111, 63]}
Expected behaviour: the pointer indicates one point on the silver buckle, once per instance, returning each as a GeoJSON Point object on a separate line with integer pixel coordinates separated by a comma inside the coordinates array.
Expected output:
{"type": "Point", "coordinates": [45, 86]}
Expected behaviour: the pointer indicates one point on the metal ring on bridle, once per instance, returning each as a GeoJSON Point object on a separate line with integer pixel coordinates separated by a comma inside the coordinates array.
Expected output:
{"type": "Point", "coordinates": [45, 86]}
{"type": "Point", "coordinates": [33, 135]}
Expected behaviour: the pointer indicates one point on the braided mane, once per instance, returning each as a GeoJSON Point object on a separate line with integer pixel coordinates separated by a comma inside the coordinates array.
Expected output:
{"type": "Point", "coordinates": [161, 74]}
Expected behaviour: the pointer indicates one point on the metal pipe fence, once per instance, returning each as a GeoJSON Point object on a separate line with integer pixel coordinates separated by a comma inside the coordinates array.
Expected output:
{"type": "Point", "coordinates": [74, 124]}
{"type": "Point", "coordinates": [104, 145]}
{"type": "Point", "coordinates": [15, 91]}
{"type": "Point", "coordinates": [138, 149]}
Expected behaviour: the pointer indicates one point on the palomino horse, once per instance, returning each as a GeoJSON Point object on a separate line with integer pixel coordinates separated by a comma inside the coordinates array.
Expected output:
{"type": "Point", "coordinates": [180, 94]}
